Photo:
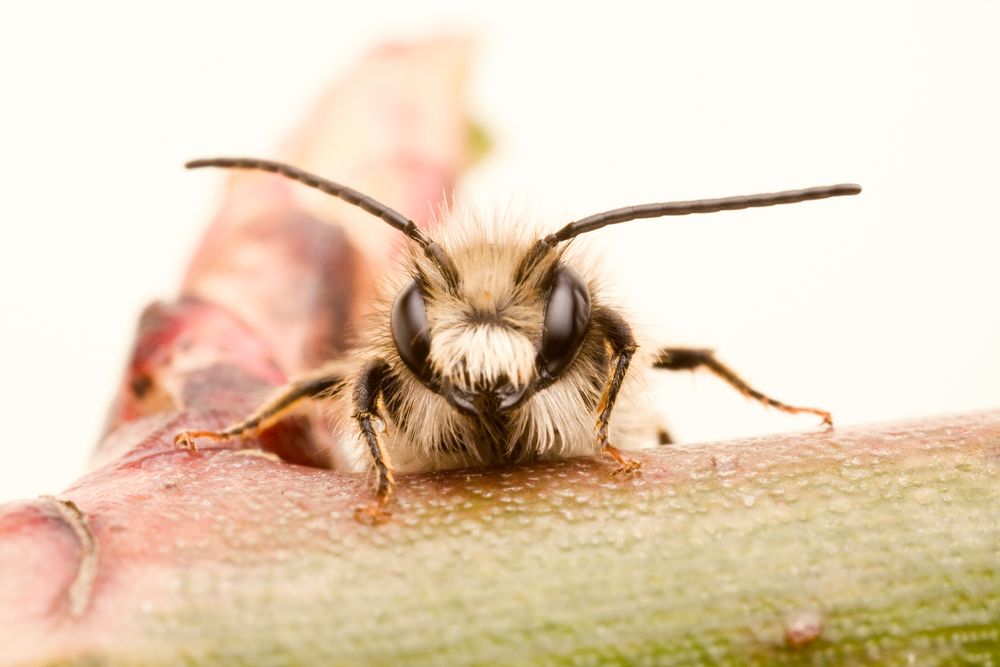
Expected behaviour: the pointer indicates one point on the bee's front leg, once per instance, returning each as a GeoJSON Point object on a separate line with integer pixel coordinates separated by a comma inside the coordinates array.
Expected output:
{"type": "Point", "coordinates": [619, 337]}
{"type": "Point", "coordinates": [367, 390]}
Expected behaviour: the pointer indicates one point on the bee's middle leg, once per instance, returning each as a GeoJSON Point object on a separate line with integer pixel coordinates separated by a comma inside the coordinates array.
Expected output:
{"type": "Point", "coordinates": [286, 400]}
{"type": "Point", "coordinates": [689, 359]}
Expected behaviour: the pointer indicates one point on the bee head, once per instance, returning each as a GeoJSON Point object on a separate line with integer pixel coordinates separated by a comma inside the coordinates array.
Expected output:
{"type": "Point", "coordinates": [498, 334]}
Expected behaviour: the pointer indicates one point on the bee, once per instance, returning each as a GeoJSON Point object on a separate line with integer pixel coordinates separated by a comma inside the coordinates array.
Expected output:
{"type": "Point", "coordinates": [494, 346]}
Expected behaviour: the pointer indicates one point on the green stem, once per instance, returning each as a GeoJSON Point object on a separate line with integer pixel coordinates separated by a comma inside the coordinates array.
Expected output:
{"type": "Point", "coordinates": [867, 545]}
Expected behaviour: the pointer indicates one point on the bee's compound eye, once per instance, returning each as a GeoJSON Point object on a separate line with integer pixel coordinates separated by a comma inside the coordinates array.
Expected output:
{"type": "Point", "coordinates": [567, 316]}
{"type": "Point", "coordinates": [408, 322]}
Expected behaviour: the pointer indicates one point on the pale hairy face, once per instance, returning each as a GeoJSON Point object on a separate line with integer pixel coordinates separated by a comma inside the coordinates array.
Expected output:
{"type": "Point", "coordinates": [486, 333]}
{"type": "Point", "coordinates": [481, 355]}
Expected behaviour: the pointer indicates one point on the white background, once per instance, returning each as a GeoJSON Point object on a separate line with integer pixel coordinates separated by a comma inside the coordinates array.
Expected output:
{"type": "Point", "coordinates": [876, 308]}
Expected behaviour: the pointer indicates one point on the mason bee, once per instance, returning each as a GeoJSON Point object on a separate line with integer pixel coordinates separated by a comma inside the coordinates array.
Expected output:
{"type": "Point", "coordinates": [494, 347]}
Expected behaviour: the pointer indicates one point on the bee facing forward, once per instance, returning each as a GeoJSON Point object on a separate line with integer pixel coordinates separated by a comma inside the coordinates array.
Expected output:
{"type": "Point", "coordinates": [493, 349]}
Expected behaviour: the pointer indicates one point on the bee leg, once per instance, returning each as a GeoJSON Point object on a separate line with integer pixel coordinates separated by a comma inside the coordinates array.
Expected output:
{"type": "Point", "coordinates": [623, 346]}
{"type": "Point", "coordinates": [689, 359]}
{"type": "Point", "coordinates": [288, 398]}
{"type": "Point", "coordinates": [625, 464]}
{"type": "Point", "coordinates": [367, 390]}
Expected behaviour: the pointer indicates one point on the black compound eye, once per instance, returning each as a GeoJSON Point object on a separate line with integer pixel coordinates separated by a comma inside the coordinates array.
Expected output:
{"type": "Point", "coordinates": [566, 318]}
{"type": "Point", "coordinates": [408, 322]}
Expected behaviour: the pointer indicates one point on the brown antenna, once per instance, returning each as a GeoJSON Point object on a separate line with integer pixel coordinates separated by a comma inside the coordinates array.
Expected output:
{"type": "Point", "coordinates": [349, 195]}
